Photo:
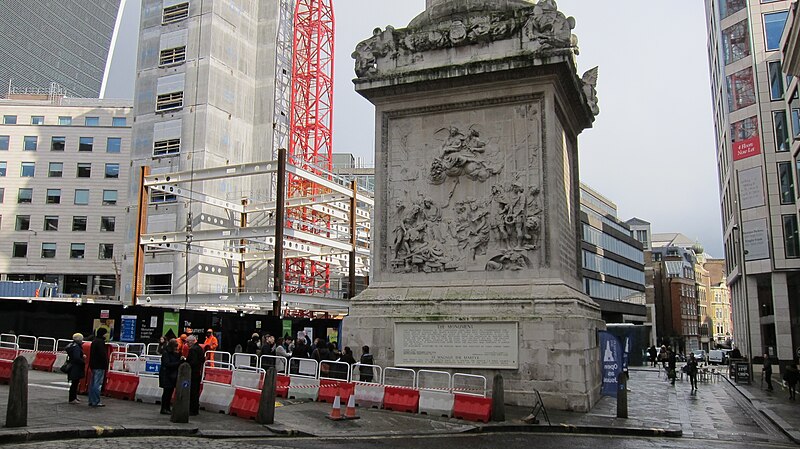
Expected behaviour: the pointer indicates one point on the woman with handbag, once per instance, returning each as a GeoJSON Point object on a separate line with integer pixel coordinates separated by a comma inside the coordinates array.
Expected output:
{"type": "Point", "coordinates": [74, 367]}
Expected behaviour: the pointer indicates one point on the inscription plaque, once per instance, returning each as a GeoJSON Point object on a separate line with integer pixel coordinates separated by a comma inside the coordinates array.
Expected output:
{"type": "Point", "coordinates": [482, 345]}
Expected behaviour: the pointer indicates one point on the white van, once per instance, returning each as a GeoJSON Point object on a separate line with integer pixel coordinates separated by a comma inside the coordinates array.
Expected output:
{"type": "Point", "coordinates": [717, 356]}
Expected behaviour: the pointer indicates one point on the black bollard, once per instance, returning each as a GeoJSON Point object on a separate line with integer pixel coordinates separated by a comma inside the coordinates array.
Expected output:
{"type": "Point", "coordinates": [17, 411]}
{"type": "Point", "coordinates": [498, 399]}
{"type": "Point", "coordinates": [622, 395]}
{"type": "Point", "coordinates": [266, 408]}
{"type": "Point", "coordinates": [180, 408]}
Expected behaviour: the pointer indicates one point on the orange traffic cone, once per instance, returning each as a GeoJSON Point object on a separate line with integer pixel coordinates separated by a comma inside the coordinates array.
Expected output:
{"type": "Point", "coordinates": [350, 411]}
{"type": "Point", "coordinates": [336, 411]}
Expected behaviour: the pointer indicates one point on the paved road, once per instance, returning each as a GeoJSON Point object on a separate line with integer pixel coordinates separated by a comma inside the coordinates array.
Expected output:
{"type": "Point", "coordinates": [500, 440]}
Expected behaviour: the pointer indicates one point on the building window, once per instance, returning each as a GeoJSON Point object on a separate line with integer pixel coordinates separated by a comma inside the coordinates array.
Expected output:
{"type": "Point", "coordinates": [23, 223]}
{"type": "Point", "coordinates": [786, 182]}
{"type": "Point", "coordinates": [77, 250]}
{"type": "Point", "coordinates": [790, 236]}
{"type": "Point", "coordinates": [92, 121]}
{"type": "Point", "coordinates": [53, 196]}
{"type": "Point", "coordinates": [796, 123]}
{"type": "Point", "coordinates": [51, 222]}
{"type": "Point", "coordinates": [48, 250]}
{"type": "Point", "coordinates": [65, 121]}
{"type": "Point", "coordinates": [20, 249]}
{"type": "Point", "coordinates": [119, 121]}
{"type": "Point", "coordinates": [25, 196]}
{"type": "Point", "coordinates": [106, 251]}
{"type": "Point", "coordinates": [30, 143]}
{"type": "Point", "coordinates": [9, 119]}
{"type": "Point", "coordinates": [81, 197]}
{"type": "Point", "coordinates": [84, 170]}
{"type": "Point", "coordinates": [58, 143]}
{"type": "Point", "coordinates": [728, 7]}
{"type": "Point", "coordinates": [781, 131]}
{"type": "Point", "coordinates": [166, 147]}
{"type": "Point", "coordinates": [175, 13]}
{"type": "Point", "coordinates": [741, 89]}
{"type": "Point", "coordinates": [112, 171]}
{"type": "Point", "coordinates": [28, 169]}
{"type": "Point", "coordinates": [108, 224]}
{"type": "Point", "coordinates": [169, 101]}
{"type": "Point", "coordinates": [172, 56]}
{"type": "Point", "coordinates": [78, 223]}
{"type": "Point", "coordinates": [775, 80]}
{"type": "Point", "coordinates": [158, 284]}
{"type": "Point", "coordinates": [3, 166]}
{"type": "Point", "coordinates": [86, 144]}
{"type": "Point", "coordinates": [113, 145]}
{"type": "Point", "coordinates": [55, 170]}
{"type": "Point", "coordinates": [157, 197]}
{"type": "Point", "coordinates": [4, 140]}
{"type": "Point", "coordinates": [736, 42]}
{"type": "Point", "coordinates": [37, 120]}
{"type": "Point", "coordinates": [773, 28]}
{"type": "Point", "coordinates": [2, 194]}
{"type": "Point", "coordinates": [109, 197]}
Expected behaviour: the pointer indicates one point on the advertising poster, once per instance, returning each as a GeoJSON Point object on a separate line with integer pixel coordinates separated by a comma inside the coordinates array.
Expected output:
{"type": "Point", "coordinates": [746, 148]}
{"type": "Point", "coordinates": [170, 327]}
{"type": "Point", "coordinates": [147, 328]}
{"type": "Point", "coordinates": [128, 329]}
{"type": "Point", "coordinates": [287, 328]}
{"type": "Point", "coordinates": [611, 362]}
{"type": "Point", "coordinates": [106, 323]}
{"type": "Point", "coordinates": [309, 331]}
{"type": "Point", "coordinates": [333, 335]}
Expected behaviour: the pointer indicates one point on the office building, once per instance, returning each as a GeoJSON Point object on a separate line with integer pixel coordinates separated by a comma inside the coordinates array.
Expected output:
{"type": "Point", "coordinates": [67, 42]}
{"type": "Point", "coordinates": [612, 261]}
{"type": "Point", "coordinates": [64, 170]}
{"type": "Point", "coordinates": [754, 133]}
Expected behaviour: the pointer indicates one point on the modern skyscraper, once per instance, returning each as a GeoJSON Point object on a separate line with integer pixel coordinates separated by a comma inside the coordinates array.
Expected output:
{"type": "Point", "coordinates": [756, 172]}
{"type": "Point", "coordinates": [68, 42]}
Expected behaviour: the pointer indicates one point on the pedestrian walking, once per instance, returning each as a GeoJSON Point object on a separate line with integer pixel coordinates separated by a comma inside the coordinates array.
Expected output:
{"type": "Point", "coordinates": [652, 353]}
{"type": "Point", "coordinates": [195, 359]}
{"type": "Point", "coordinates": [76, 365]}
{"type": "Point", "coordinates": [162, 345]}
{"type": "Point", "coordinates": [766, 372]}
{"type": "Point", "coordinates": [366, 373]}
{"type": "Point", "coordinates": [671, 361]}
{"type": "Point", "coordinates": [691, 370]}
{"type": "Point", "coordinates": [168, 374]}
{"type": "Point", "coordinates": [791, 376]}
{"type": "Point", "coordinates": [98, 364]}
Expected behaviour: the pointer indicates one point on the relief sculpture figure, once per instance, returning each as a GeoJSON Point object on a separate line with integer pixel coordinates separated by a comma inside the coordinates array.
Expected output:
{"type": "Point", "coordinates": [417, 244]}
{"type": "Point", "coordinates": [462, 155]}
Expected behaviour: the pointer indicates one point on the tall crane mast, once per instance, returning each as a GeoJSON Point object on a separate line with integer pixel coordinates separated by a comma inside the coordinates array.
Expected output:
{"type": "Point", "coordinates": [310, 134]}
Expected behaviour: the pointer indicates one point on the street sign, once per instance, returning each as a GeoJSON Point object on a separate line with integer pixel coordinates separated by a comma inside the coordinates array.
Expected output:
{"type": "Point", "coordinates": [611, 355]}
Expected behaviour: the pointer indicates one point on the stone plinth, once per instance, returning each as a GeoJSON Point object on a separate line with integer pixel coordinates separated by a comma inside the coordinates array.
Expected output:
{"type": "Point", "coordinates": [476, 233]}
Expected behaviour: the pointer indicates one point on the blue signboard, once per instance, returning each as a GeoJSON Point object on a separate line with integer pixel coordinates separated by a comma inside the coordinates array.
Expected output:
{"type": "Point", "coordinates": [611, 357]}
{"type": "Point", "coordinates": [152, 366]}
{"type": "Point", "coordinates": [128, 330]}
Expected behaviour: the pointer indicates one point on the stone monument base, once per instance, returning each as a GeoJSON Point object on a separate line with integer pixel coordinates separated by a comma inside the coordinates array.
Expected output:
{"type": "Point", "coordinates": [555, 350]}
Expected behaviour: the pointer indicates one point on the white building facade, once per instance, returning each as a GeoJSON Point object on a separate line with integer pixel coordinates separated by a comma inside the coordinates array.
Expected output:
{"type": "Point", "coordinates": [64, 171]}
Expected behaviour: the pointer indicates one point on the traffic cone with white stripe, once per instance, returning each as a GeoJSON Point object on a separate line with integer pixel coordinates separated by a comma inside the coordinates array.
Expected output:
{"type": "Point", "coordinates": [350, 411]}
{"type": "Point", "coordinates": [336, 411]}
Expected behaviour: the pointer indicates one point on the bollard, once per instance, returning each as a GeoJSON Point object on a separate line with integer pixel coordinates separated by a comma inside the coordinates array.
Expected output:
{"type": "Point", "coordinates": [266, 408]}
{"type": "Point", "coordinates": [622, 395]}
{"type": "Point", "coordinates": [498, 399]}
{"type": "Point", "coordinates": [180, 409]}
{"type": "Point", "coordinates": [17, 411]}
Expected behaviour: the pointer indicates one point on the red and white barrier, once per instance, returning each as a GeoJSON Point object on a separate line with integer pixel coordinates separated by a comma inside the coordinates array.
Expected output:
{"type": "Point", "coordinates": [245, 403]}
{"type": "Point", "coordinates": [120, 383]}
{"type": "Point", "coordinates": [435, 398]}
{"type": "Point", "coordinates": [216, 397]}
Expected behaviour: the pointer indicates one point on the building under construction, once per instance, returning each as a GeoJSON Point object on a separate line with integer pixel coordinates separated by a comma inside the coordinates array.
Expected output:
{"type": "Point", "coordinates": [234, 206]}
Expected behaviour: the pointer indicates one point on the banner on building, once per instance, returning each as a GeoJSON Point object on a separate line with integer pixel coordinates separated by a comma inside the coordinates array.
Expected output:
{"type": "Point", "coordinates": [756, 239]}
{"type": "Point", "coordinates": [611, 358]}
{"type": "Point", "coordinates": [751, 188]}
{"type": "Point", "coordinates": [746, 148]}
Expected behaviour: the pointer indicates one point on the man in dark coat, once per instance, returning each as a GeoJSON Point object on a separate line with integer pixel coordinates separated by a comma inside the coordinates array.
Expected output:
{"type": "Point", "coordinates": [98, 363]}
{"type": "Point", "coordinates": [767, 370]}
{"type": "Point", "coordinates": [196, 359]}
{"type": "Point", "coordinates": [671, 362]}
{"type": "Point", "coordinates": [77, 366]}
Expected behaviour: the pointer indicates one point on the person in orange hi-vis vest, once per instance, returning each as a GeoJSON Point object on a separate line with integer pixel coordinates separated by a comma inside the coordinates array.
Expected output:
{"type": "Point", "coordinates": [183, 348]}
{"type": "Point", "coordinates": [211, 344]}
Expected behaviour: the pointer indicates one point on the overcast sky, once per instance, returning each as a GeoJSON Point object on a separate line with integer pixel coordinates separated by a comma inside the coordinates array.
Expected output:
{"type": "Point", "coordinates": [651, 150]}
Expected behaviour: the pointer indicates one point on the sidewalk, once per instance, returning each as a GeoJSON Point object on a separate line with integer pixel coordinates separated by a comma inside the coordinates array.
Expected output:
{"type": "Point", "coordinates": [775, 404]}
{"type": "Point", "coordinates": [655, 409]}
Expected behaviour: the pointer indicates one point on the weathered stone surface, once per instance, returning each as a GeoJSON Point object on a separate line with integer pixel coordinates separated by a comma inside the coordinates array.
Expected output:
{"type": "Point", "coordinates": [478, 107]}
{"type": "Point", "coordinates": [17, 410]}
{"type": "Point", "coordinates": [266, 407]}
{"type": "Point", "coordinates": [180, 407]}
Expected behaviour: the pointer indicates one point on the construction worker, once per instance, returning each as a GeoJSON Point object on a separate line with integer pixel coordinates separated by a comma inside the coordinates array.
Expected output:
{"type": "Point", "coordinates": [211, 344]}
{"type": "Point", "coordinates": [183, 348]}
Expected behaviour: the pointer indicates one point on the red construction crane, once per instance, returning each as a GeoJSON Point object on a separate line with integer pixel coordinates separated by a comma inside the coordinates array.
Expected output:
{"type": "Point", "coordinates": [310, 133]}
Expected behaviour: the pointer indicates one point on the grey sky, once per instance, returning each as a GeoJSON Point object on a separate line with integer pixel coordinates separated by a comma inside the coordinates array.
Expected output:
{"type": "Point", "coordinates": [652, 148]}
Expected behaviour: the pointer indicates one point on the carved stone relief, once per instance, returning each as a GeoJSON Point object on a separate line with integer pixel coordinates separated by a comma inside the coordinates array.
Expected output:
{"type": "Point", "coordinates": [479, 207]}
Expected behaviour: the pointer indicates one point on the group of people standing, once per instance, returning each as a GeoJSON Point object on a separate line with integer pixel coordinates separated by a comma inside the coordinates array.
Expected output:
{"type": "Point", "coordinates": [173, 356]}
{"type": "Point", "coordinates": [75, 366]}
